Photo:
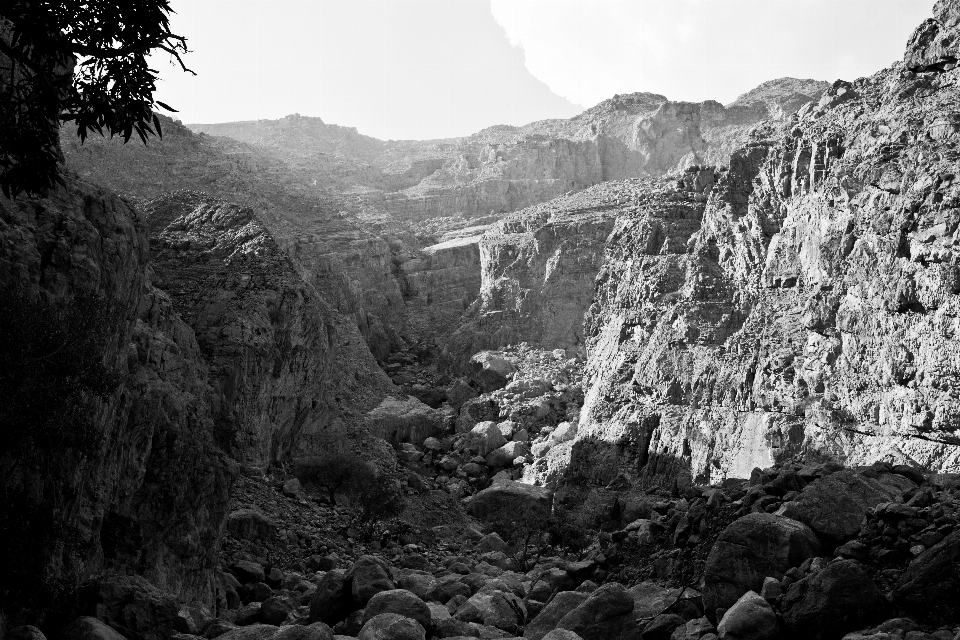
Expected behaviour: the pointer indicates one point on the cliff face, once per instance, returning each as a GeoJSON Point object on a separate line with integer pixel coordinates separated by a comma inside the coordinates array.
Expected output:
{"type": "Point", "coordinates": [505, 168]}
{"type": "Point", "coordinates": [240, 362]}
{"type": "Point", "coordinates": [146, 487]}
{"type": "Point", "coordinates": [537, 270]}
{"type": "Point", "coordinates": [272, 344]}
{"type": "Point", "coordinates": [807, 311]}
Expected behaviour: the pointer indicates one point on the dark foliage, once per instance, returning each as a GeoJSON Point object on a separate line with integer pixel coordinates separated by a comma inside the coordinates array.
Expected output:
{"type": "Point", "coordinates": [375, 497]}
{"type": "Point", "coordinates": [331, 472]}
{"type": "Point", "coordinates": [75, 61]}
{"type": "Point", "coordinates": [52, 371]}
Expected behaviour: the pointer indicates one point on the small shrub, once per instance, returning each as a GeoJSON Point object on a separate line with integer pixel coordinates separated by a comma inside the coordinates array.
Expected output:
{"type": "Point", "coordinates": [332, 472]}
{"type": "Point", "coordinates": [375, 497]}
{"type": "Point", "coordinates": [528, 533]}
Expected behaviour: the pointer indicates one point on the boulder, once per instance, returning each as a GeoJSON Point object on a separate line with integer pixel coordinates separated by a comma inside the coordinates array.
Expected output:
{"type": "Point", "coordinates": [650, 599]}
{"type": "Point", "coordinates": [398, 601]}
{"type": "Point", "coordinates": [331, 602]}
{"type": "Point", "coordinates": [505, 455]}
{"type": "Point", "coordinates": [485, 437]}
{"type": "Point", "coordinates": [750, 618]}
{"type": "Point", "coordinates": [509, 497]}
{"type": "Point", "coordinates": [606, 614]}
{"type": "Point", "coordinates": [562, 634]}
{"type": "Point", "coordinates": [489, 370]}
{"type": "Point", "coordinates": [447, 589]}
{"type": "Point", "coordinates": [392, 626]}
{"type": "Point", "coordinates": [192, 618]}
{"type": "Point", "coordinates": [930, 587]}
{"type": "Point", "coordinates": [275, 609]}
{"type": "Point", "coordinates": [750, 549]}
{"type": "Point", "coordinates": [88, 628]}
{"type": "Point", "coordinates": [663, 626]}
{"type": "Point", "coordinates": [250, 524]}
{"type": "Point", "coordinates": [315, 631]}
{"type": "Point", "coordinates": [419, 583]}
{"type": "Point", "coordinates": [832, 602]}
{"type": "Point", "coordinates": [25, 632]}
{"type": "Point", "coordinates": [367, 577]}
{"type": "Point", "coordinates": [405, 420]}
{"type": "Point", "coordinates": [834, 506]}
{"type": "Point", "coordinates": [545, 621]}
{"type": "Point", "coordinates": [503, 610]}
{"type": "Point", "coordinates": [492, 542]}
{"type": "Point", "coordinates": [252, 632]}
{"type": "Point", "coordinates": [131, 605]}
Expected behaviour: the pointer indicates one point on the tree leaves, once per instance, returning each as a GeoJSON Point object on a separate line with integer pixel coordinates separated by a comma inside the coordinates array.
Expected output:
{"type": "Point", "coordinates": [77, 61]}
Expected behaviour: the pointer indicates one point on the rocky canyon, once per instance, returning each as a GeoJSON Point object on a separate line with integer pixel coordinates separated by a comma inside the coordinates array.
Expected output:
{"type": "Point", "coordinates": [663, 370]}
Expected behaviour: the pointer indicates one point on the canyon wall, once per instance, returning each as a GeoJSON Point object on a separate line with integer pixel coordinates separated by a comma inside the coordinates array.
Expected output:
{"type": "Point", "coordinates": [150, 353]}
{"type": "Point", "coordinates": [808, 310]}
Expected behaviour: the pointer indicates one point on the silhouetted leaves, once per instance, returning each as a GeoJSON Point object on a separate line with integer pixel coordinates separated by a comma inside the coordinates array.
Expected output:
{"type": "Point", "coordinates": [75, 61]}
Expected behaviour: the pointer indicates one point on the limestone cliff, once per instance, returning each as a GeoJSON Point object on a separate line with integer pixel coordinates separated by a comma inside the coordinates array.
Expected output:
{"type": "Point", "coordinates": [806, 310]}
{"type": "Point", "coordinates": [505, 168]}
{"type": "Point", "coordinates": [157, 376]}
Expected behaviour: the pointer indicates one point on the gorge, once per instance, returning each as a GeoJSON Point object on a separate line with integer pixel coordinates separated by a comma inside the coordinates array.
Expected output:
{"type": "Point", "coordinates": [705, 355]}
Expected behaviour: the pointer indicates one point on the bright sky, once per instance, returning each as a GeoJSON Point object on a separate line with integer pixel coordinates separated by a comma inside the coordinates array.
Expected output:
{"type": "Point", "coordinates": [422, 69]}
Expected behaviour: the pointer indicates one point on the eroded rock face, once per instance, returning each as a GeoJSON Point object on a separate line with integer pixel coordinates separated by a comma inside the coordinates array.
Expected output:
{"type": "Point", "coordinates": [278, 354]}
{"type": "Point", "coordinates": [156, 456]}
{"type": "Point", "coordinates": [806, 307]}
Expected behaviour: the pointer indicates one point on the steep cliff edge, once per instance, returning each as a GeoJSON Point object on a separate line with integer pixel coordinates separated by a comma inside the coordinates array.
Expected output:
{"type": "Point", "coordinates": [124, 472]}
{"type": "Point", "coordinates": [127, 408]}
{"type": "Point", "coordinates": [812, 311]}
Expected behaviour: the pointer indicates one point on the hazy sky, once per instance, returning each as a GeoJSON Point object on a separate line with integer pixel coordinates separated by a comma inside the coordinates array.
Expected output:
{"type": "Point", "coordinates": [439, 68]}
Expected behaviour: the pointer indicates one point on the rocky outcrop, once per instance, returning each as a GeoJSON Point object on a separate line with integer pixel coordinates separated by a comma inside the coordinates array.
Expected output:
{"type": "Point", "coordinates": [440, 281]}
{"type": "Point", "coordinates": [274, 347]}
{"type": "Point", "coordinates": [538, 268]}
{"type": "Point", "coordinates": [803, 310]}
{"type": "Point", "coordinates": [134, 480]}
{"type": "Point", "coordinates": [121, 453]}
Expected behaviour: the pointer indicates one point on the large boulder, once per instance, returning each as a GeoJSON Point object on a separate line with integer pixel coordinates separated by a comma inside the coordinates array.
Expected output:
{"type": "Point", "coordinates": [606, 614]}
{"type": "Point", "coordinates": [367, 577]}
{"type": "Point", "coordinates": [331, 602]}
{"type": "Point", "coordinates": [505, 455]}
{"type": "Point", "coordinates": [419, 583]}
{"type": "Point", "coordinates": [834, 506]}
{"type": "Point", "coordinates": [650, 599]}
{"type": "Point", "coordinates": [88, 628]}
{"type": "Point", "coordinates": [315, 631]}
{"type": "Point", "coordinates": [132, 606]}
{"type": "Point", "coordinates": [930, 587]}
{"type": "Point", "coordinates": [250, 524]}
{"type": "Point", "coordinates": [252, 632]}
{"type": "Point", "coordinates": [934, 44]}
{"type": "Point", "coordinates": [398, 601]}
{"type": "Point", "coordinates": [548, 618]}
{"type": "Point", "coordinates": [562, 634]}
{"type": "Point", "coordinates": [750, 549]}
{"type": "Point", "coordinates": [832, 602]}
{"type": "Point", "coordinates": [485, 437]}
{"type": "Point", "coordinates": [750, 618]}
{"type": "Point", "coordinates": [392, 626]}
{"type": "Point", "coordinates": [490, 370]}
{"type": "Point", "coordinates": [506, 497]}
{"type": "Point", "coordinates": [398, 420]}
{"type": "Point", "coordinates": [494, 608]}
